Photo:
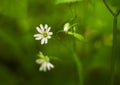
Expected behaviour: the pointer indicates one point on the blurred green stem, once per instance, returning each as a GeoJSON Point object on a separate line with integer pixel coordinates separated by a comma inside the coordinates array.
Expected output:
{"type": "Point", "coordinates": [79, 68]}
{"type": "Point", "coordinates": [110, 10]}
{"type": "Point", "coordinates": [114, 46]}
{"type": "Point", "coordinates": [75, 57]}
{"type": "Point", "coordinates": [78, 63]}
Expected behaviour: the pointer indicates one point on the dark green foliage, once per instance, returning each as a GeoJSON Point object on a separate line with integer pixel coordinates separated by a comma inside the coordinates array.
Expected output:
{"type": "Point", "coordinates": [115, 3]}
{"type": "Point", "coordinates": [19, 49]}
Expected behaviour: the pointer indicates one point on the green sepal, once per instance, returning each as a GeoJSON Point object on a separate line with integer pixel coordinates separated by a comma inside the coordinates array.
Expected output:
{"type": "Point", "coordinates": [76, 35]}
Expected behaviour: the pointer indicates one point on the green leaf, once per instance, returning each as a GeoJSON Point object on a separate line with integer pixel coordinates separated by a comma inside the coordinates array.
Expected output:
{"type": "Point", "coordinates": [76, 35]}
{"type": "Point", "coordinates": [66, 1]}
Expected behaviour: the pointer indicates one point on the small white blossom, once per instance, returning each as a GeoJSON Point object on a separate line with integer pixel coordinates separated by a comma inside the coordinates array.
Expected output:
{"type": "Point", "coordinates": [66, 27]}
{"type": "Point", "coordinates": [44, 33]}
{"type": "Point", "coordinates": [45, 63]}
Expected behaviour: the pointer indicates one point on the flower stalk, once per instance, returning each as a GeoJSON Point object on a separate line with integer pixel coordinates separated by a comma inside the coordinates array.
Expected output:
{"type": "Point", "coordinates": [76, 58]}
{"type": "Point", "coordinates": [114, 46]}
{"type": "Point", "coordinates": [77, 61]}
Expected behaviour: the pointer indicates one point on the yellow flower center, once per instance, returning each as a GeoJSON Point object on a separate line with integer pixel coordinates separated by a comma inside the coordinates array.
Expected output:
{"type": "Point", "coordinates": [45, 34]}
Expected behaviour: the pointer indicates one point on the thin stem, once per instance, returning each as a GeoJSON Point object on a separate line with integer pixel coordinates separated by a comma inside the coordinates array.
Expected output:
{"type": "Point", "coordinates": [79, 69]}
{"type": "Point", "coordinates": [114, 47]}
{"type": "Point", "coordinates": [78, 63]}
{"type": "Point", "coordinates": [110, 10]}
{"type": "Point", "coordinates": [118, 12]}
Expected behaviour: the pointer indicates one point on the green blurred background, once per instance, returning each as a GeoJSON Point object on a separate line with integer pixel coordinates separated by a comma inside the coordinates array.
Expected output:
{"type": "Point", "coordinates": [19, 49]}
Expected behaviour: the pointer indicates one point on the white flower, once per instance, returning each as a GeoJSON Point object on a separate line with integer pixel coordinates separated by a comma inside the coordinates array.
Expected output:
{"type": "Point", "coordinates": [66, 27]}
{"type": "Point", "coordinates": [45, 62]}
{"type": "Point", "coordinates": [44, 34]}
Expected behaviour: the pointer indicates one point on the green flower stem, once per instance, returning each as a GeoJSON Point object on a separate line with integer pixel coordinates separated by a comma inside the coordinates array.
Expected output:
{"type": "Point", "coordinates": [77, 61]}
{"type": "Point", "coordinates": [114, 46]}
{"type": "Point", "coordinates": [79, 68]}
{"type": "Point", "coordinates": [110, 10]}
{"type": "Point", "coordinates": [75, 57]}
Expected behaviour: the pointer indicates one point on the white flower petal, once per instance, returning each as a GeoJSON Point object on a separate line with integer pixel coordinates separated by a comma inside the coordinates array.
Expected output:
{"type": "Point", "coordinates": [48, 29]}
{"type": "Point", "coordinates": [66, 27]}
{"type": "Point", "coordinates": [49, 37]}
{"type": "Point", "coordinates": [45, 69]}
{"type": "Point", "coordinates": [49, 66]}
{"type": "Point", "coordinates": [41, 26]}
{"type": "Point", "coordinates": [39, 30]}
{"type": "Point", "coordinates": [37, 35]}
{"type": "Point", "coordinates": [42, 41]}
{"type": "Point", "coordinates": [46, 26]}
{"type": "Point", "coordinates": [41, 68]}
{"type": "Point", "coordinates": [46, 40]}
{"type": "Point", "coordinates": [50, 33]}
{"type": "Point", "coordinates": [38, 38]}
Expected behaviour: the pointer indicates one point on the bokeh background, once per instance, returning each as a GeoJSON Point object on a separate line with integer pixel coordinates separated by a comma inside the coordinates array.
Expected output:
{"type": "Point", "coordinates": [19, 49]}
